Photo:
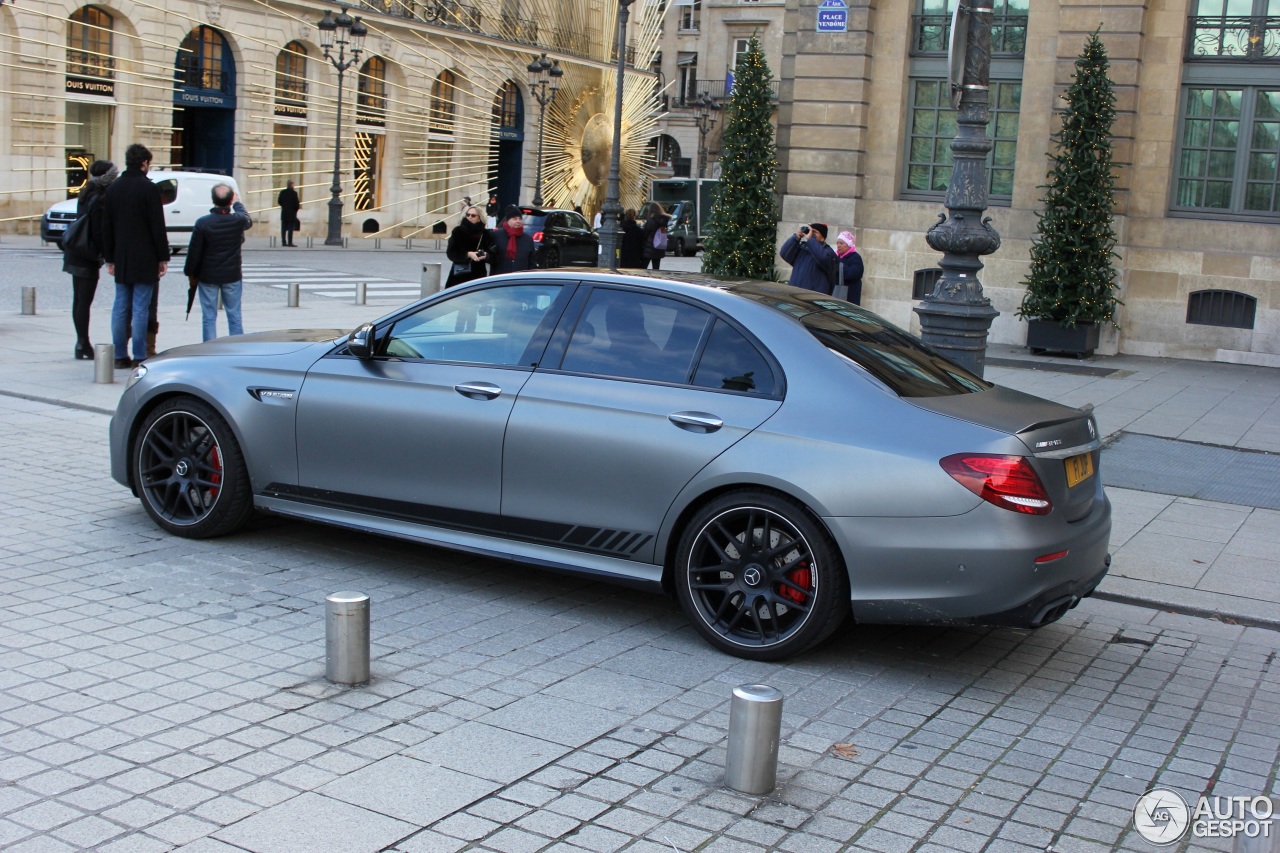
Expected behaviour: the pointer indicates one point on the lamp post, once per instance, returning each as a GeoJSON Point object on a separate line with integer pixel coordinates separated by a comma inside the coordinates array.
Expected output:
{"type": "Point", "coordinates": [956, 317]}
{"type": "Point", "coordinates": [705, 116]}
{"type": "Point", "coordinates": [611, 212]}
{"type": "Point", "coordinates": [544, 82]}
{"type": "Point", "coordinates": [341, 31]}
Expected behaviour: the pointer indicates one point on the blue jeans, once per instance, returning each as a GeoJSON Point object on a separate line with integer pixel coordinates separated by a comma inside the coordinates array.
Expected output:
{"type": "Point", "coordinates": [209, 308]}
{"type": "Point", "coordinates": [135, 298]}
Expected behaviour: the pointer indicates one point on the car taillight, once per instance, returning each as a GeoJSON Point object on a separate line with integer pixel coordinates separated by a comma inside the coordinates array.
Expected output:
{"type": "Point", "coordinates": [537, 236]}
{"type": "Point", "coordinates": [1008, 482]}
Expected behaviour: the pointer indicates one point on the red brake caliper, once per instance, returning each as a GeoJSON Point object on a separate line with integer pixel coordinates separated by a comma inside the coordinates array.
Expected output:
{"type": "Point", "coordinates": [215, 459]}
{"type": "Point", "coordinates": [802, 577]}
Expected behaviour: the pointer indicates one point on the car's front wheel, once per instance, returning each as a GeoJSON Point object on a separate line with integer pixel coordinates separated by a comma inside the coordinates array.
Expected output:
{"type": "Point", "coordinates": [759, 577]}
{"type": "Point", "coordinates": [189, 470]}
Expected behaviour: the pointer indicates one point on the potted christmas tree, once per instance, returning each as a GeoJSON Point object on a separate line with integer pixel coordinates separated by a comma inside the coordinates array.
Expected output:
{"type": "Point", "coordinates": [1071, 285]}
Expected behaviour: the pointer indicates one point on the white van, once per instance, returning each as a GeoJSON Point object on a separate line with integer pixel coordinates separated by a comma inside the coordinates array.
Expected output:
{"type": "Point", "coordinates": [186, 195]}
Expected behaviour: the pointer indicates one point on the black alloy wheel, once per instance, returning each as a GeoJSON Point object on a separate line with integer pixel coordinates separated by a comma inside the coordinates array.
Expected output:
{"type": "Point", "coordinates": [550, 257]}
{"type": "Point", "coordinates": [759, 577]}
{"type": "Point", "coordinates": [189, 470]}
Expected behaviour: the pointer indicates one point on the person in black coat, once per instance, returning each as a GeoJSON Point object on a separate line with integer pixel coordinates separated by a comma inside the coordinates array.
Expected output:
{"type": "Point", "coordinates": [289, 206]}
{"type": "Point", "coordinates": [655, 221]}
{"type": "Point", "coordinates": [214, 260]}
{"type": "Point", "coordinates": [631, 252]}
{"type": "Point", "coordinates": [136, 249]}
{"type": "Point", "coordinates": [850, 266]}
{"type": "Point", "coordinates": [513, 248]}
{"type": "Point", "coordinates": [468, 248]}
{"type": "Point", "coordinates": [84, 268]}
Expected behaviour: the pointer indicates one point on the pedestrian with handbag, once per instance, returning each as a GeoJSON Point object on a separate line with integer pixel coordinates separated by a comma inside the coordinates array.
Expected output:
{"type": "Point", "coordinates": [289, 206]}
{"type": "Point", "coordinates": [849, 269]}
{"type": "Point", "coordinates": [468, 248]}
{"type": "Point", "coordinates": [82, 252]}
{"type": "Point", "coordinates": [655, 235]}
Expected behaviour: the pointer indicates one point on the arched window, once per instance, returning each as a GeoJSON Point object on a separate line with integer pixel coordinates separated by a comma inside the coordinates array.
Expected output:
{"type": "Point", "coordinates": [89, 43]}
{"type": "Point", "coordinates": [443, 107]}
{"type": "Point", "coordinates": [204, 60]}
{"type": "Point", "coordinates": [508, 107]}
{"type": "Point", "coordinates": [291, 74]}
{"type": "Point", "coordinates": [371, 92]}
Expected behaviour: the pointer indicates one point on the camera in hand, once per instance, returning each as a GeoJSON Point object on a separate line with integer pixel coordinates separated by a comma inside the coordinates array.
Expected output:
{"type": "Point", "coordinates": [804, 229]}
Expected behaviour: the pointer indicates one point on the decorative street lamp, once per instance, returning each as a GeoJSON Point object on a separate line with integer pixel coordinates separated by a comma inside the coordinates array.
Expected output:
{"type": "Point", "coordinates": [611, 212]}
{"type": "Point", "coordinates": [342, 31]}
{"type": "Point", "coordinates": [705, 116]}
{"type": "Point", "coordinates": [544, 82]}
{"type": "Point", "coordinates": [955, 318]}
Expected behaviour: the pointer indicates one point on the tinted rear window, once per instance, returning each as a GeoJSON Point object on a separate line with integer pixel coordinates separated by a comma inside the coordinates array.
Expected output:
{"type": "Point", "coordinates": [534, 222]}
{"type": "Point", "coordinates": [886, 352]}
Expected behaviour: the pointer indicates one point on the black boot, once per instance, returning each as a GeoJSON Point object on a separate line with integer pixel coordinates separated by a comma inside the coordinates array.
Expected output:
{"type": "Point", "coordinates": [84, 350]}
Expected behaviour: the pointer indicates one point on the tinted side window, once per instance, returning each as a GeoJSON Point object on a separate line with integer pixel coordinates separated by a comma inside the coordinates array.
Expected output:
{"type": "Point", "coordinates": [732, 363]}
{"type": "Point", "coordinates": [576, 221]}
{"type": "Point", "coordinates": [555, 220]}
{"type": "Point", "coordinates": [636, 336]}
{"type": "Point", "coordinates": [492, 326]}
{"type": "Point", "coordinates": [168, 191]}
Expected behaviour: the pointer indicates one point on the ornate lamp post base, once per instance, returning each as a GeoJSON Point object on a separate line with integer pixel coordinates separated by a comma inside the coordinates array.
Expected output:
{"type": "Point", "coordinates": [958, 331]}
{"type": "Point", "coordinates": [334, 237]}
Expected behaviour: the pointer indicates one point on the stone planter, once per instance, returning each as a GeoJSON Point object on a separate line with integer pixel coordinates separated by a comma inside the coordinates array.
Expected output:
{"type": "Point", "coordinates": [1050, 336]}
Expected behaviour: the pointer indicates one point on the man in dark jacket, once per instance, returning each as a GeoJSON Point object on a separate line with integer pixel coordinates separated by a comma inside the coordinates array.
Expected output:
{"type": "Point", "coordinates": [214, 260]}
{"type": "Point", "coordinates": [289, 204]}
{"type": "Point", "coordinates": [136, 249]}
{"type": "Point", "coordinates": [812, 260]}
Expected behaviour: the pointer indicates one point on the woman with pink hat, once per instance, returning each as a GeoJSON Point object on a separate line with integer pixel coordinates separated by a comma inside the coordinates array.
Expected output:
{"type": "Point", "coordinates": [850, 268]}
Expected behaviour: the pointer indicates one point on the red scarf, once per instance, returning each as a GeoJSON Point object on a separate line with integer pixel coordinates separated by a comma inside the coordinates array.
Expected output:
{"type": "Point", "coordinates": [512, 235]}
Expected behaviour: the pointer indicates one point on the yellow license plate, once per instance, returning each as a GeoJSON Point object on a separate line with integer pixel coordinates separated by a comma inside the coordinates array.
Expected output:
{"type": "Point", "coordinates": [1079, 469]}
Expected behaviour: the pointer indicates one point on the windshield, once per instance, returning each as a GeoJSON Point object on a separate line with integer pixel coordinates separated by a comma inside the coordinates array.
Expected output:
{"type": "Point", "coordinates": [888, 353]}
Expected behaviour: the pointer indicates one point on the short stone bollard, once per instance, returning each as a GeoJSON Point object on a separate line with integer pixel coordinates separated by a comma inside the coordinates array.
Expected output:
{"type": "Point", "coordinates": [104, 363]}
{"type": "Point", "coordinates": [362, 292]}
{"type": "Point", "coordinates": [28, 300]}
{"type": "Point", "coordinates": [431, 279]}
{"type": "Point", "coordinates": [293, 294]}
{"type": "Point", "coordinates": [346, 638]}
{"type": "Point", "coordinates": [755, 727]}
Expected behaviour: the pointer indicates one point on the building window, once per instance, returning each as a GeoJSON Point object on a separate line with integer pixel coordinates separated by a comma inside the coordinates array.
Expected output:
{"type": "Point", "coordinates": [931, 27]}
{"type": "Point", "coordinates": [368, 166]}
{"type": "Point", "coordinates": [1228, 157]}
{"type": "Point", "coordinates": [442, 103]}
{"type": "Point", "coordinates": [89, 43]}
{"type": "Point", "coordinates": [933, 126]}
{"type": "Point", "coordinates": [201, 58]}
{"type": "Point", "coordinates": [371, 93]}
{"type": "Point", "coordinates": [506, 107]}
{"type": "Point", "coordinates": [289, 143]}
{"type": "Point", "coordinates": [291, 74]}
{"type": "Point", "coordinates": [689, 82]}
{"type": "Point", "coordinates": [691, 15]}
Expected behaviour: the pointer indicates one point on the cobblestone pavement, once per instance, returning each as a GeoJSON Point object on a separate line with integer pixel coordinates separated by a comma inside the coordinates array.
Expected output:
{"type": "Point", "coordinates": [163, 694]}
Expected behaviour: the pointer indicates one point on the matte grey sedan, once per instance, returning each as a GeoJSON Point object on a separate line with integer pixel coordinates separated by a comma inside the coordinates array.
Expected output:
{"type": "Point", "coordinates": [776, 459]}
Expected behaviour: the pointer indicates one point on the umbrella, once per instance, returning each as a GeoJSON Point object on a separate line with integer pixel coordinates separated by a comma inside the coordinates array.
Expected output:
{"type": "Point", "coordinates": [191, 293]}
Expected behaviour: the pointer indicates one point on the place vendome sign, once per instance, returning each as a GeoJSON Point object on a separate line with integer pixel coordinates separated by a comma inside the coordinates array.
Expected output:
{"type": "Point", "coordinates": [91, 86]}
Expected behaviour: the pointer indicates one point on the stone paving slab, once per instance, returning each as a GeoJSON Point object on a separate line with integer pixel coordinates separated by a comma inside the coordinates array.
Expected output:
{"type": "Point", "coordinates": [164, 694]}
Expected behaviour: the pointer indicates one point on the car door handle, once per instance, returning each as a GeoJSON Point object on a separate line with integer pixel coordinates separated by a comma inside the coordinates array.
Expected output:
{"type": "Point", "coordinates": [696, 421]}
{"type": "Point", "coordinates": [478, 390]}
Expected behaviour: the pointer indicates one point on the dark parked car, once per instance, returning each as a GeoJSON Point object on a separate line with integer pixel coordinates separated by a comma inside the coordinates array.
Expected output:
{"type": "Point", "coordinates": [561, 238]}
{"type": "Point", "coordinates": [776, 459]}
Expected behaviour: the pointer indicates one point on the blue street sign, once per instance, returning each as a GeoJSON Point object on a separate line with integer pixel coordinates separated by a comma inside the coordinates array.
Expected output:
{"type": "Point", "coordinates": [833, 16]}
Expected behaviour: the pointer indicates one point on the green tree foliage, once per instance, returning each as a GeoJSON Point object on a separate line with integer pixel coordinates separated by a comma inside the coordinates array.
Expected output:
{"type": "Point", "coordinates": [1072, 279]}
{"type": "Point", "coordinates": [744, 219]}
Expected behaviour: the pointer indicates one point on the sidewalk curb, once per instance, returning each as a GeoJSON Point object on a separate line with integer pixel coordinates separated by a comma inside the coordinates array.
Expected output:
{"type": "Point", "coordinates": [1189, 610]}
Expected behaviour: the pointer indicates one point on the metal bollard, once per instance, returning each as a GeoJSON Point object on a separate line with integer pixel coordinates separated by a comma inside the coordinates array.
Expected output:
{"type": "Point", "coordinates": [104, 363]}
{"type": "Point", "coordinates": [755, 727]}
{"type": "Point", "coordinates": [377, 242]}
{"type": "Point", "coordinates": [308, 242]}
{"type": "Point", "coordinates": [362, 291]}
{"type": "Point", "coordinates": [346, 638]}
{"type": "Point", "coordinates": [431, 279]}
{"type": "Point", "coordinates": [408, 243]}
{"type": "Point", "coordinates": [28, 300]}
{"type": "Point", "coordinates": [293, 294]}
{"type": "Point", "coordinates": [1266, 837]}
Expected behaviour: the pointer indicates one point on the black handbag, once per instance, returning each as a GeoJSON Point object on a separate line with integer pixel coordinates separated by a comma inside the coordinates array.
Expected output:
{"type": "Point", "coordinates": [77, 242]}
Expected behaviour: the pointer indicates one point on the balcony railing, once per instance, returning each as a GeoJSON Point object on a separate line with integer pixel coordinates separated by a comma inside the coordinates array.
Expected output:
{"type": "Point", "coordinates": [86, 64]}
{"type": "Point", "coordinates": [1234, 38]}
{"type": "Point", "coordinates": [714, 88]}
{"type": "Point", "coordinates": [932, 33]}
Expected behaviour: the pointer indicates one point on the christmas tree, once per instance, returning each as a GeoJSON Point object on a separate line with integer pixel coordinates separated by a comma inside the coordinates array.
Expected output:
{"type": "Point", "coordinates": [1072, 279]}
{"type": "Point", "coordinates": [744, 219]}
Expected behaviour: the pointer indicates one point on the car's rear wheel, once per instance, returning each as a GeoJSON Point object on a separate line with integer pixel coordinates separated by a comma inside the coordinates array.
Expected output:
{"type": "Point", "coordinates": [550, 257]}
{"type": "Point", "coordinates": [759, 577]}
{"type": "Point", "coordinates": [189, 470]}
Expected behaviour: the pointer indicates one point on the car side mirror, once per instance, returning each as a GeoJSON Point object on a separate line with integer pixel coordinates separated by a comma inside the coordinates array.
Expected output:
{"type": "Point", "coordinates": [361, 342]}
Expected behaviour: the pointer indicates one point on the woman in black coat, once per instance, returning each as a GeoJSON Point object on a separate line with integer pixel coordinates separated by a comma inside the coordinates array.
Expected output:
{"type": "Point", "coordinates": [84, 268]}
{"type": "Point", "coordinates": [468, 248]}
{"type": "Point", "coordinates": [850, 266]}
{"type": "Point", "coordinates": [631, 253]}
{"type": "Point", "coordinates": [657, 220]}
